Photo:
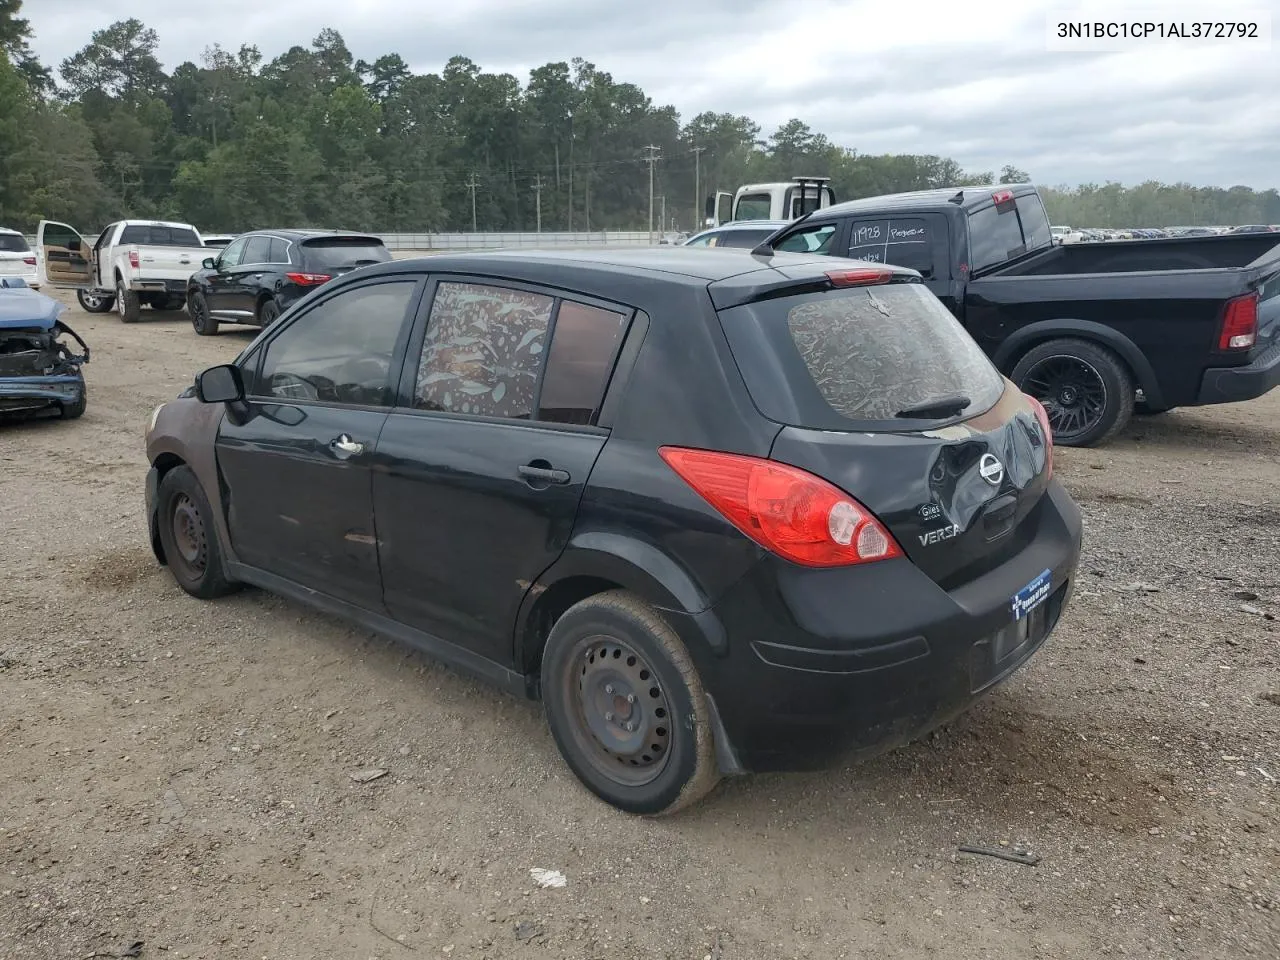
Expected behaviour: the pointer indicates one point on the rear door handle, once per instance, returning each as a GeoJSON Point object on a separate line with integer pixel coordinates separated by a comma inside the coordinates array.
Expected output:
{"type": "Point", "coordinates": [541, 472]}
{"type": "Point", "coordinates": [345, 447]}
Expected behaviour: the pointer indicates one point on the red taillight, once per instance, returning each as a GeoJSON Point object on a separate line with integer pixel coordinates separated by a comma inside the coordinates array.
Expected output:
{"type": "Point", "coordinates": [1043, 416]}
{"type": "Point", "coordinates": [784, 509]}
{"type": "Point", "coordinates": [858, 278]}
{"type": "Point", "coordinates": [1239, 323]}
{"type": "Point", "coordinates": [29, 261]}
{"type": "Point", "coordinates": [133, 259]}
{"type": "Point", "coordinates": [308, 279]}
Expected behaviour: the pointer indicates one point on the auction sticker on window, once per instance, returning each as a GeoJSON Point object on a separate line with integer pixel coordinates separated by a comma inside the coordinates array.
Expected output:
{"type": "Point", "coordinates": [1032, 595]}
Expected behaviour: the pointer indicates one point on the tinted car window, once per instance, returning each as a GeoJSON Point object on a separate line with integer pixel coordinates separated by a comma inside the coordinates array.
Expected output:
{"type": "Point", "coordinates": [861, 355]}
{"type": "Point", "coordinates": [903, 242]}
{"type": "Point", "coordinates": [279, 251]}
{"type": "Point", "coordinates": [583, 345]}
{"type": "Point", "coordinates": [340, 351]}
{"type": "Point", "coordinates": [231, 254]}
{"type": "Point", "coordinates": [56, 235]}
{"type": "Point", "coordinates": [995, 235]}
{"type": "Point", "coordinates": [333, 253]}
{"type": "Point", "coordinates": [483, 350]}
{"type": "Point", "coordinates": [741, 238]}
{"type": "Point", "coordinates": [1035, 222]}
{"type": "Point", "coordinates": [159, 235]}
{"type": "Point", "coordinates": [13, 243]}
{"type": "Point", "coordinates": [257, 250]}
{"type": "Point", "coordinates": [815, 239]}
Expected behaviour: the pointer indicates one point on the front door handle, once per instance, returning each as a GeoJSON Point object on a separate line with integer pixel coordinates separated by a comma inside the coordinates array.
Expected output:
{"type": "Point", "coordinates": [541, 473]}
{"type": "Point", "coordinates": [345, 447]}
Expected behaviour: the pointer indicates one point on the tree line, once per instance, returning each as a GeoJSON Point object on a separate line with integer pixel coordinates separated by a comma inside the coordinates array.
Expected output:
{"type": "Point", "coordinates": [315, 137]}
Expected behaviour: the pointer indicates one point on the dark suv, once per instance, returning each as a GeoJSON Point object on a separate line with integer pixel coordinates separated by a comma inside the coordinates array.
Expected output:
{"type": "Point", "coordinates": [259, 275]}
{"type": "Point", "coordinates": [719, 513]}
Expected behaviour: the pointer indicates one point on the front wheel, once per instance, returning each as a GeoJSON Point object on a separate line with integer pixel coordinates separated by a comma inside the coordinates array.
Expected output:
{"type": "Point", "coordinates": [187, 536]}
{"type": "Point", "coordinates": [626, 707]}
{"type": "Point", "coordinates": [198, 309]}
{"type": "Point", "coordinates": [93, 302]}
{"type": "Point", "coordinates": [1086, 390]}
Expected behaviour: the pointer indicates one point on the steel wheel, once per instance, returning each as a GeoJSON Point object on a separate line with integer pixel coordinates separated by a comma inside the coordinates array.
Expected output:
{"type": "Point", "coordinates": [1072, 391]}
{"type": "Point", "coordinates": [623, 716]}
{"type": "Point", "coordinates": [189, 534]}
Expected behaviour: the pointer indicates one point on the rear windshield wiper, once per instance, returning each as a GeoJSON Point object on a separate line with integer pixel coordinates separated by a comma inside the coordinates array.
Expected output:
{"type": "Point", "coordinates": [942, 407]}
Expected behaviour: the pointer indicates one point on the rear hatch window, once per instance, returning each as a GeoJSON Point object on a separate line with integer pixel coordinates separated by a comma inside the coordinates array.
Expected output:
{"type": "Point", "coordinates": [158, 235]}
{"type": "Point", "coordinates": [888, 357]}
{"type": "Point", "coordinates": [13, 243]}
{"type": "Point", "coordinates": [338, 254]}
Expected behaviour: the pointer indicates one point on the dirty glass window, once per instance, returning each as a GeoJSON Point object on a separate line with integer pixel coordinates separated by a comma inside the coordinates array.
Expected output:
{"type": "Point", "coordinates": [483, 350]}
{"type": "Point", "coordinates": [865, 354]}
{"type": "Point", "coordinates": [583, 347]}
{"type": "Point", "coordinates": [341, 350]}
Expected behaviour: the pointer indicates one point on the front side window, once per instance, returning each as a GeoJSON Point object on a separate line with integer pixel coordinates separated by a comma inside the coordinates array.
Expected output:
{"type": "Point", "coordinates": [483, 350]}
{"type": "Point", "coordinates": [341, 350]}
{"type": "Point", "coordinates": [231, 255]}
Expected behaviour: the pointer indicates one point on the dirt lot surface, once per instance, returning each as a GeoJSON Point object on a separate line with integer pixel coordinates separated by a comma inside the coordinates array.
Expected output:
{"type": "Point", "coordinates": [178, 773]}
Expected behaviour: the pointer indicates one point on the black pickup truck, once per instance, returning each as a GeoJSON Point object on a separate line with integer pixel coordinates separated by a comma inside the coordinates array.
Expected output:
{"type": "Point", "coordinates": [1092, 330]}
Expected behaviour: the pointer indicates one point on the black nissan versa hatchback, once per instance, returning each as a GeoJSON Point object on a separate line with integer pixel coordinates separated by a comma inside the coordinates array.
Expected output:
{"type": "Point", "coordinates": [720, 513]}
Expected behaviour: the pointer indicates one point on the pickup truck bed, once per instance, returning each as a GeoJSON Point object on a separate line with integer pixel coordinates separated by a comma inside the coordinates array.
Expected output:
{"type": "Point", "coordinates": [1095, 331]}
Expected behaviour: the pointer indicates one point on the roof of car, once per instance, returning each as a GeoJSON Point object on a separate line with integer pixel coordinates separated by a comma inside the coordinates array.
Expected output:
{"type": "Point", "coordinates": [23, 308]}
{"type": "Point", "coordinates": [745, 225]}
{"type": "Point", "coordinates": [7, 230]}
{"type": "Point", "coordinates": [295, 233]}
{"type": "Point", "coordinates": [964, 198]}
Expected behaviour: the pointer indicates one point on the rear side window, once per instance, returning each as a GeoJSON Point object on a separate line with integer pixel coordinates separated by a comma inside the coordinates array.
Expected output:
{"type": "Point", "coordinates": [257, 250]}
{"type": "Point", "coordinates": [336, 253]}
{"type": "Point", "coordinates": [739, 238]}
{"type": "Point", "coordinates": [1035, 222]}
{"type": "Point", "coordinates": [483, 350]}
{"type": "Point", "coordinates": [584, 343]}
{"type": "Point", "coordinates": [857, 358]}
{"type": "Point", "coordinates": [13, 243]}
{"type": "Point", "coordinates": [902, 243]}
{"type": "Point", "coordinates": [279, 251]}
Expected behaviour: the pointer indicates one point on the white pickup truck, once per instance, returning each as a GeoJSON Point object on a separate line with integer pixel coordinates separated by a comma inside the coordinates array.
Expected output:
{"type": "Point", "coordinates": [133, 262]}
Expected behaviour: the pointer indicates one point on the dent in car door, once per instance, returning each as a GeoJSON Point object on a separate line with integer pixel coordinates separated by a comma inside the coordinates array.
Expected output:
{"type": "Point", "coordinates": [474, 497]}
{"type": "Point", "coordinates": [65, 260]}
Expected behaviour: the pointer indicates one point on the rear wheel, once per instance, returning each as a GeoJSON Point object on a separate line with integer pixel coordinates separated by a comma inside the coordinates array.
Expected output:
{"type": "Point", "coordinates": [267, 313]}
{"type": "Point", "coordinates": [626, 707]}
{"type": "Point", "coordinates": [127, 303]}
{"type": "Point", "coordinates": [190, 544]}
{"type": "Point", "coordinates": [1086, 390]}
{"type": "Point", "coordinates": [94, 302]}
{"type": "Point", "coordinates": [198, 310]}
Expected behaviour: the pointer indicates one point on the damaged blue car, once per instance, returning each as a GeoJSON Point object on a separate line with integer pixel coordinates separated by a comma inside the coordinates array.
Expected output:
{"type": "Point", "coordinates": [39, 371]}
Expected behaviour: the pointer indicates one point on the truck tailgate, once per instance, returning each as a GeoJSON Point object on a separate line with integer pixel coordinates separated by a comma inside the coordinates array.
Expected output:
{"type": "Point", "coordinates": [162, 262]}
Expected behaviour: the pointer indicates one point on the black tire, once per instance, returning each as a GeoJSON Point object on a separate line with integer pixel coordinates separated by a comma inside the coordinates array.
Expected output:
{"type": "Point", "coordinates": [95, 302]}
{"type": "Point", "coordinates": [1086, 389]}
{"type": "Point", "coordinates": [198, 310]}
{"type": "Point", "coordinates": [73, 411]}
{"type": "Point", "coordinates": [185, 522]}
{"type": "Point", "coordinates": [1142, 409]}
{"type": "Point", "coordinates": [613, 652]}
{"type": "Point", "coordinates": [268, 310]}
{"type": "Point", "coordinates": [127, 303]}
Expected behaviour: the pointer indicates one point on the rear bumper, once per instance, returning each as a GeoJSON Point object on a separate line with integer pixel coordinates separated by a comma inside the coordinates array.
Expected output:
{"type": "Point", "coordinates": [175, 287]}
{"type": "Point", "coordinates": [1233, 384]}
{"type": "Point", "coordinates": [824, 665]}
{"type": "Point", "coordinates": [25, 393]}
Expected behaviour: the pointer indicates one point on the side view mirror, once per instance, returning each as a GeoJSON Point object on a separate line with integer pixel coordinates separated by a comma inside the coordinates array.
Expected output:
{"type": "Point", "coordinates": [221, 384]}
{"type": "Point", "coordinates": [208, 263]}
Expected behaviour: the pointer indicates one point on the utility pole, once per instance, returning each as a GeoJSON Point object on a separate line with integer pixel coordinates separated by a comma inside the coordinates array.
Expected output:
{"type": "Point", "coordinates": [697, 187]}
{"type": "Point", "coordinates": [472, 185]}
{"type": "Point", "coordinates": [537, 191]}
{"type": "Point", "coordinates": [652, 160]}
{"type": "Point", "coordinates": [662, 220]}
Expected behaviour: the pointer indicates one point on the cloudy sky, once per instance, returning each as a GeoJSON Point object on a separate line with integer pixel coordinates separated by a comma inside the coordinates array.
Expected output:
{"type": "Point", "coordinates": [979, 84]}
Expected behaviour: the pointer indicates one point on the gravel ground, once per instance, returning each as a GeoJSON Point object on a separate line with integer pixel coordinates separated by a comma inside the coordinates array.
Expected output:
{"type": "Point", "coordinates": [178, 773]}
